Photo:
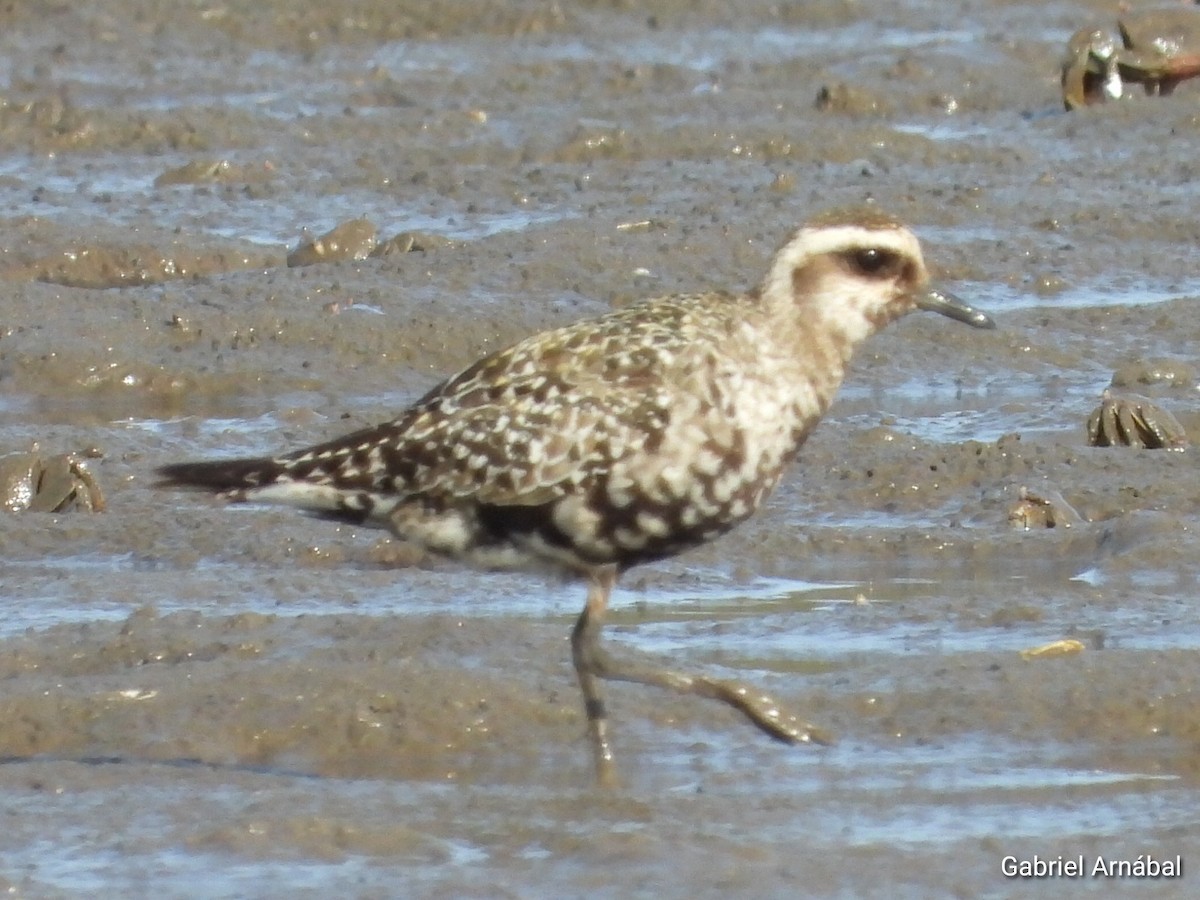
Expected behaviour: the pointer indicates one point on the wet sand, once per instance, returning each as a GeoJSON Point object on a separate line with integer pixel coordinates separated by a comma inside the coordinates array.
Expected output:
{"type": "Point", "coordinates": [202, 700]}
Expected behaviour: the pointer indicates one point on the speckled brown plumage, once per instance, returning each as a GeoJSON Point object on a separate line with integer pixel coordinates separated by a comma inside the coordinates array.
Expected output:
{"type": "Point", "coordinates": [621, 439]}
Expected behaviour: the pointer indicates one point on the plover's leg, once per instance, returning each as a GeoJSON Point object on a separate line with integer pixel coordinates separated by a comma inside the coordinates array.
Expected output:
{"type": "Point", "coordinates": [585, 647]}
{"type": "Point", "coordinates": [759, 708]}
{"type": "Point", "coordinates": [592, 662]}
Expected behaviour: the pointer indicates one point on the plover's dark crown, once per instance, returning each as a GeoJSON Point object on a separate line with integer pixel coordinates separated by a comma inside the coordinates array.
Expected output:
{"type": "Point", "coordinates": [620, 439]}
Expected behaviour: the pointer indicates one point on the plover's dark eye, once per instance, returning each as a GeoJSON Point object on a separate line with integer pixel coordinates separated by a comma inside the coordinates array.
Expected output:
{"type": "Point", "coordinates": [874, 261]}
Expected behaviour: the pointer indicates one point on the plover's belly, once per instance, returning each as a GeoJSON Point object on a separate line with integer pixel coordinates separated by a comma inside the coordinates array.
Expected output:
{"type": "Point", "coordinates": [649, 520]}
{"type": "Point", "coordinates": [654, 511]}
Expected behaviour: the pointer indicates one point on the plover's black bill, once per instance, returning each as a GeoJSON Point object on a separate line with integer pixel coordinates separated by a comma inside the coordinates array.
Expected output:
{"type": "Point", "coordinates": [939, 301]}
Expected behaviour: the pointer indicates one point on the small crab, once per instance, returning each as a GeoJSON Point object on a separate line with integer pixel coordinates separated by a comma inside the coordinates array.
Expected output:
{"type": "Point", "coordinates": [1127, 420]}
{"type": "Point", "coordinates": [30, 482]}
{"type": "Point", "coordinates": [354, 239]}
{"type": "Point", "coordinates": [1161, 48]}
{"type": "Point", "coordinates": [1046, 509]}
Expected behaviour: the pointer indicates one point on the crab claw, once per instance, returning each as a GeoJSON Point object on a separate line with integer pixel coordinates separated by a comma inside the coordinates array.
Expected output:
{"type": "Point", "coordinates": [1090, 71]}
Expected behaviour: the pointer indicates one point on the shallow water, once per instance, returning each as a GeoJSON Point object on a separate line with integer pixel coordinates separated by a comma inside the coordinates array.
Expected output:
{"type": "Point", "coordinates": [228, 702]}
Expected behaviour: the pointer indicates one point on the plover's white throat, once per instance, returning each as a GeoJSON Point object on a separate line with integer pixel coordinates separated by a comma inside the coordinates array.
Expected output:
{"type": "Point", "coordinates": [621, 439]}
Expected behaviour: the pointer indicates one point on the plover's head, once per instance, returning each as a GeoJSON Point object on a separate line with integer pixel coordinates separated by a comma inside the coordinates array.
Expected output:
{"type": "Point", "coordinates": [856, 271]}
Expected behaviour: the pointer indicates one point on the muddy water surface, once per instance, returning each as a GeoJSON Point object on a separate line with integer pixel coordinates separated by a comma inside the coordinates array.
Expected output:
{"type": "Point", "coordinates": [206, 701]}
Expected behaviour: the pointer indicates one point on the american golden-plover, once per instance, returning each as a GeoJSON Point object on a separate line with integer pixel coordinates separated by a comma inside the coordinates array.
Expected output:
{"type": "Point", "coordinates": [621, 439]}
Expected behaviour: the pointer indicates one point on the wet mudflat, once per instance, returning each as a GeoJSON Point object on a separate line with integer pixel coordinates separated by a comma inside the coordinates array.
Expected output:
{"type": "Point", "coordinates": [223, 702]}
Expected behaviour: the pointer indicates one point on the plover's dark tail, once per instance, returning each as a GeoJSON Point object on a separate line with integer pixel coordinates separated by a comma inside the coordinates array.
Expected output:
{"type": "Point", "coordinates": [283, 481]}
{"type": "Point", "coordinates": [346, 464]}
{"type": "Point", "coordinates": [231, 476]}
